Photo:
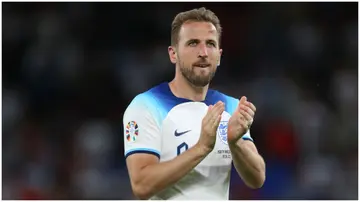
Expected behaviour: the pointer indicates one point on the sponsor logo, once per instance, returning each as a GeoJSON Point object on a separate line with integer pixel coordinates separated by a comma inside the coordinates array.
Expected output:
{"type": "Point", "coordinates": [181, 133]}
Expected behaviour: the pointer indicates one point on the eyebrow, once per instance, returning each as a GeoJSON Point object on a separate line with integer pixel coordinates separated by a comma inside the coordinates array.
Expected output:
{"type": "Point", "coordinates": [212, 41]}
{"type": "Point", "coordinates": [192, 40]}
{"type": "Point", "coordinates": [197, 41]}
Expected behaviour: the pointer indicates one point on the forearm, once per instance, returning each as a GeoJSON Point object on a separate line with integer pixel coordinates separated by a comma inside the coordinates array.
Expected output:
{"type": "Point", "coordinates": [248, 163]}
{"type": "Point", "coordinates": [154, 178]}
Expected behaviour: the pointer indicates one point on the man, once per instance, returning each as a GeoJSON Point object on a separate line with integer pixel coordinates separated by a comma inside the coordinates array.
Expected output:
{"type": "Point", "coordinates": [181, 137]}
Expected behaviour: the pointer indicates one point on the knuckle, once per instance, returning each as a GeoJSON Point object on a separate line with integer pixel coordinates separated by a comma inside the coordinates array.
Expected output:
{"type": "Point", "coordinates": [243, 124]}
{"type": "Point", "coordinates": [245, 128]}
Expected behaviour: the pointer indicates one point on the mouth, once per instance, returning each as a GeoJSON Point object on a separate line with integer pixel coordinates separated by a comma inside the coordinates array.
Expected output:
{"type": "Point", "coordinates": [202, 65]}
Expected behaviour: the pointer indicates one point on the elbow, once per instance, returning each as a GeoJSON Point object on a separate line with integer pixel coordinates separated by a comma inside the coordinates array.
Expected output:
{"type": "Point", "coordinates": [257, 185]}
{"type": "Point", "coordinates": [258, 182]}
{"type": "Point", "coordinates": [141, 192]}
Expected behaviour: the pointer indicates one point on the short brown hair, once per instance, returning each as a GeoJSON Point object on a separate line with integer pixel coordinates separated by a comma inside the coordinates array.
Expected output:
{"type": "Point", "coordinates": [198, 15]}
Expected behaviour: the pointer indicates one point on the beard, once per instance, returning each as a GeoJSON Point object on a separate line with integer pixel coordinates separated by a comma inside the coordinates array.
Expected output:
{"type": "Point", "coordinates": [197, 79]}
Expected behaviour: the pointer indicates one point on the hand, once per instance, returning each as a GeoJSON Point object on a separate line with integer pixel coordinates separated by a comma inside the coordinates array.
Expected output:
{"type": "Point", "coordinates": [210, 124]}
{"type": "Point", "coordinates": [241, 120]}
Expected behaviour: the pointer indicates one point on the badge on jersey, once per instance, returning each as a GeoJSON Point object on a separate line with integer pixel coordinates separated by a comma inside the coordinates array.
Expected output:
{"type": "Point", "coordinates": [131, 131]}
{"type": "Point", "coordinates": [222, 131]}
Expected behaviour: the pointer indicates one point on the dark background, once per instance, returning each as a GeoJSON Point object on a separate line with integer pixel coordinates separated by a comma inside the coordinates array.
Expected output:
{"type": "Point", "coordinates": [70, 70]}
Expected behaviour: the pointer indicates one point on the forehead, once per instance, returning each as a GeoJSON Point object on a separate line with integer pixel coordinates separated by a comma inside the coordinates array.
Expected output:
{"type": "Point", "coordinates": [197, 30]}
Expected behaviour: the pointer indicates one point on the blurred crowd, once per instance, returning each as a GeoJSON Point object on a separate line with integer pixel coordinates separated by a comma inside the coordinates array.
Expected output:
{"type": "Point", "coordinates": [70, 69]}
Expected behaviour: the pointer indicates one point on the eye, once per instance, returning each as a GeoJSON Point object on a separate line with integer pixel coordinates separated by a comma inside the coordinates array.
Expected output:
{"type": "Point", "coordinates": [193, 43]}
{"type": "Point", "coordinates": [212, 44]}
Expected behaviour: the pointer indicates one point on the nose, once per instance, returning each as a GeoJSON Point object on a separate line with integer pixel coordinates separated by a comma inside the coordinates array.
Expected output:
{"type": "Point", "coordinates": [203, 53]}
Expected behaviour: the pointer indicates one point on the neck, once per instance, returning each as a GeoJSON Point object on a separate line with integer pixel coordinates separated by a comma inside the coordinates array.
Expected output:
{"type": "Point", "coordinates": [182, 88]}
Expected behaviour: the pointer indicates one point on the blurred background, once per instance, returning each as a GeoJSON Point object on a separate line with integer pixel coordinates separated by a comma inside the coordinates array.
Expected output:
{"type": "Point", "coordinates": [70, 69]}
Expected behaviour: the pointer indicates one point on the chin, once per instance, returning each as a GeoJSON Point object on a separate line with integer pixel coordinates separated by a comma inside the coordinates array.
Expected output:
{"type": "Point", "coordinates": [200, 77]}
{"type": "Point", "coordinates": [200, 82]}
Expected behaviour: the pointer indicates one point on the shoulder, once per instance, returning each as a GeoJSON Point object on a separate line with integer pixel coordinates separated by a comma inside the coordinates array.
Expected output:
{"type": "Point", "coordinates": [230, 102]}
{"type": "Point", "coordinates": [144, 103]}
{"type": "Point", "coordinates": [149, 104]}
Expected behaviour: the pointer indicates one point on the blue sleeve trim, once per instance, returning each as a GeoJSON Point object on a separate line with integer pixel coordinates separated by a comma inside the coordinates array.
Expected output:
{"type": "Point", "coordinates": [142, 150]}
{"type": "Point", "coordinates": [246, 138]}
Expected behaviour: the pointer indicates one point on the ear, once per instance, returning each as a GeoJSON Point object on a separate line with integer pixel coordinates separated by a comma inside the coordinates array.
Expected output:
{"type": "Point", "coordinates": [219, 59]}
{"type": "Point", "coordinates": [172, 54]}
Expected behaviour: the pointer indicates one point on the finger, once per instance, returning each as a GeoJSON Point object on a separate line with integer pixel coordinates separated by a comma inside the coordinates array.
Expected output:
{"type": "Point", "coordinates": [221, 109]}
{"type": "Point", "coordinates": [217, 122]}
{"type": "Point", "coordinates": [217, 112]}
{"type": "Point", "coordinates": [247, 116]}
{"type": "Point", "coordinates": [209, 117]}
{"type": "Point", "coordinates": [251, 105]}
{"type": "Point", "coordinates": [244, 124]}
{"type": "Point", "coordinates": [239, 117]}
{"type": "Point", "coordinates": [219, 104]}
{"type": "Point", "coordinates": [247, 110]}
{"type": "Point", "coordinates": [206, 118]}
{"type": "Point", "coordinates": [216, 105]}
{"type": "Point", "coordinates": [217, 109]}
{"type": "Point", "coordinates": [242, 100]}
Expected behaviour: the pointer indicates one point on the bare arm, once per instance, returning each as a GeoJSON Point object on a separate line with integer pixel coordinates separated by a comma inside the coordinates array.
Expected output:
{"type": "Point", "coordinates": [149, 177]}
{"type": "Point", "coordinates": [248, 163]}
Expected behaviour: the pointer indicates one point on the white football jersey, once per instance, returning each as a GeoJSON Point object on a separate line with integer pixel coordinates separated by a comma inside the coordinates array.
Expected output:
{"type": "Point", "coordinates": [159, 123]}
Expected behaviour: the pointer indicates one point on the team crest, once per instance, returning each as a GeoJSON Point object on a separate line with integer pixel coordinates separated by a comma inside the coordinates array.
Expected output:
{"type": "Point", "coordinates": [131, 131]}
{"type": "Point", "coordinates": [222, 131]}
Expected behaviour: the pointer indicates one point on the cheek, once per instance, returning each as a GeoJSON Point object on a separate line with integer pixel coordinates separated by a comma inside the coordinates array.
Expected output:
{"type": "Point", "coordinates": [213, 52]}
{"type": "Point", "coordinates": [214, 57]}
{"type": "Point", "coordinates": [188, 57]}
